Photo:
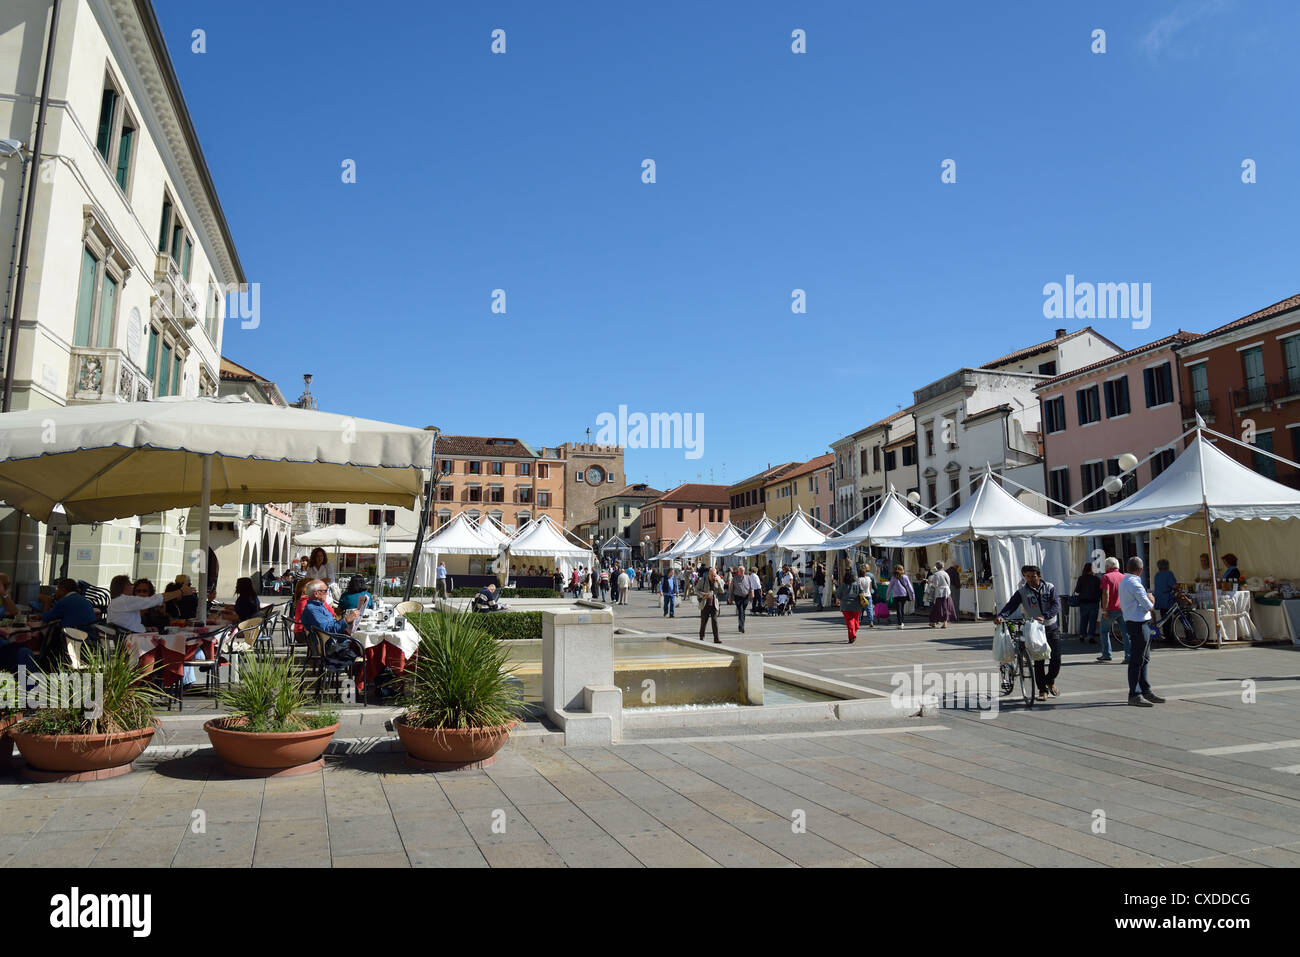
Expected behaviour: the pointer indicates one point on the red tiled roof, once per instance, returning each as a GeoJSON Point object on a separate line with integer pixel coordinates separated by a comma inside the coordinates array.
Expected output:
{"type": "Point", "coordinates": [636, 490]}
{"type": "Point", "coordinates": [812, 465]}
{"type": "Point", "coordinates": [1044, 347]}
{"type": "Point", "coordinates": [1266, 313]}
{"type": "Point", "coordinates": [1179, 336]}
{"type": "Point", "coordinates": [693, 493]}
{"type": "Point", "coordinates": [764, 476]}
{"type": "Point", "coordinates": [483, 445]}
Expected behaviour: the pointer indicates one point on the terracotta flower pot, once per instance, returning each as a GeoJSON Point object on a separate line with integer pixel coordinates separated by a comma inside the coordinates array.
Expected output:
{"type": "Point", "coordinates": [451, 749]}
{"type": "Point", "coordinates": [253, 754]}
{"type": "Point", "coordinates": [80, 757]}
{"type": "Point", "coordinates": [7, 721]}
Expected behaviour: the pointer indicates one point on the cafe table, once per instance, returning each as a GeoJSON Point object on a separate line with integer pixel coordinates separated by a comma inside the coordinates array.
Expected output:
{"type": "Point", "coordinates": [384, 646]}
{"type": "Point", "coordinates": [177, 645]}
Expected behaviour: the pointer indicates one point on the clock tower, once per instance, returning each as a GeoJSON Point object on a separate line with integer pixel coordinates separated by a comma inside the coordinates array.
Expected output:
{"type": "Point", "coordinates": [591, 472]}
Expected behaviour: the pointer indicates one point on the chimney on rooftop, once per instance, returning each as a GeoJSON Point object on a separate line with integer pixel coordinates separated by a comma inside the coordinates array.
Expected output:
{"type": "Point", "coordinates": [1060, 333]}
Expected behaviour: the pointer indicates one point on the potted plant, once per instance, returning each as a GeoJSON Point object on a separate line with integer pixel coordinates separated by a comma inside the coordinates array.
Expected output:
{"type": "Point", "coordinates": [269, 732]}
{"type": "Point", "coordinates": [8, 718]}
{"type": "Point", "coordinates": [105, 723]}
{"type": "Point", "coordinates": [461, 698]}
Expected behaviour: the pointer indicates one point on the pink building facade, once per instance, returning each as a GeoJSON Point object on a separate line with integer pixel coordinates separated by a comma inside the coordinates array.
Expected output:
{"type": "Point", "coordinates": [1129, 403]}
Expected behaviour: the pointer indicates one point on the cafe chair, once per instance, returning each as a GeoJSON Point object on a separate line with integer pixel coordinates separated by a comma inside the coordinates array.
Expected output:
{"type": "Point", "coordinates": [74, 642]}
{"type": "Point", "coordinates": [97, 597]}
{"type": "Point", "coordinates": [264, 641]}
{"type": "Point", "coordinates": [110, 635]}
{"type": "Point", "coordinates": [331, 668]}
{"type": "Point", "coordinates": [408, 608]}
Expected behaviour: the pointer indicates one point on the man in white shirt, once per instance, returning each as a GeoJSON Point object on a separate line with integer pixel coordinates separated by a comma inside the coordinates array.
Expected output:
{"type": "Point", "coordinates": [755, 591]}
{"type": "Point", "coordinates": [1136, 603]}
{"type": "Point", "coordinates": [868, 587]}
{"type": "Point", "coordinates": [124, 605]}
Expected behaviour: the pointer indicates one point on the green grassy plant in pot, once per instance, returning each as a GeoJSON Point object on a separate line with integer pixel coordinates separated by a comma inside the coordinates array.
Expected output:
{"type": "Point", "coordinates": [269, 731]}
{"type": "Point", "coordinates": [88, 723]}
{"type": "Point", "coordinates": [461, 699]}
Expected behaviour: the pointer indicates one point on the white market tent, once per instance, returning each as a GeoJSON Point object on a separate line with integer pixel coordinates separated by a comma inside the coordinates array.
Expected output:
{"type": "Point", "coordinates": [1202, 486]}
{"type": "Point", "coordinates": [457, 537]}
{"type": "Point", "coordinates": [336, 537]}
{"type": "Point", "coordinates": [892, 520]}
{"type": "Point", "coordinates": [756, 535]}
{"type": "Point", "coordinates": [760, 539]}
{"type": "Point", "coordinates": [109, 460]}
{"type": "Point", "coordinates": [616, 544]}
{"type": "Point", "coordinates": [678, 548]}
{"type": "Point", "coordinates": [1008, 525]}
{"type": "Point", "coordinates": [798, 535]}
{"type": "Point", "coordinates": [543, 538]}
{"type": "Point", "coordinates": [490, 530]}
{"type": "Point", "coordinates": [728, 541]}
{"type": "Point", "coordinates": [700, 544]}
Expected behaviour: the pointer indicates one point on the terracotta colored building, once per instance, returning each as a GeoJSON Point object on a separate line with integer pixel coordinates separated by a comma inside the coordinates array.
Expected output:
{"type": "Point", "coordinates": [747, 499]}
{"type": "Point", "coordinates": [1244, 379]}
{"type": "Point", "coordinates": [686, 508]}
{"type": "Point", "coordinates": [501, 477]}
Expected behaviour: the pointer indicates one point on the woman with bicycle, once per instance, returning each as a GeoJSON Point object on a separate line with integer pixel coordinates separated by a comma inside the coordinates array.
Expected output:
{"type": "Point", "coordinates": [1037, 600]}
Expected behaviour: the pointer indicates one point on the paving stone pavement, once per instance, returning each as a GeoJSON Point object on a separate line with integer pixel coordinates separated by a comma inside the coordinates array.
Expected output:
{"type": "Point", "coordinates": [1207, 779]}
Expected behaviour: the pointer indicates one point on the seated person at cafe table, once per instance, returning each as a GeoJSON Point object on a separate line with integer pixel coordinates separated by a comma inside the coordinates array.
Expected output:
{"type": "Point", "coordinates": [151, 618]}
{"type": "Point", "coordinates": [316, 615]}
{"type": "Point", "coordinates": [126, 603]}
{"type": "Point", "coordinates": [247, 604]}
{"type": "Point", "coordinates": [355, 591]}
{"type": "Point", "coordinates": [486, 599]}
{"type": "Point", "coordinates": [68, 606]}
{"type": "Point", "coordinates": [185, 605]}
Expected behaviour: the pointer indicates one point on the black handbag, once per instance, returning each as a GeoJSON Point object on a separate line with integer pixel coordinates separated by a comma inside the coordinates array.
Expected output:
{"type": "Point", "coordinates": [1074, 601]}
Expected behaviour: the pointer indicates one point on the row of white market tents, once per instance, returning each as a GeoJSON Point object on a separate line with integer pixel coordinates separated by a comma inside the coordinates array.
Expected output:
{"type": "Point", "coordinates": [1202, 487]}
{"type": "Point", "coordinates": [539, 538]}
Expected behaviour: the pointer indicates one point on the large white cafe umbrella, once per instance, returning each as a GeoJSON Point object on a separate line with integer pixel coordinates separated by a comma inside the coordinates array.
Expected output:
{"type": "Point", "coordinates": [112, 460]}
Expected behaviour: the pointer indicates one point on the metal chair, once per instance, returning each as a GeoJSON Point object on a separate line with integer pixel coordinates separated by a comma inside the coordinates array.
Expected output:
{"type": "Point", "coordinates": [97, 597]}
{"type": "Point", "coordinates": [332, 666]}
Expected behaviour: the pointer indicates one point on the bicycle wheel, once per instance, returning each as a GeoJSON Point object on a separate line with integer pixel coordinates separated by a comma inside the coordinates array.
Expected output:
{"type": "Point", "coordinates": [1007, 672]}
{"type": "Point", "coordinates": [1028, 687]}
{"type": "Point", "coordinates": [1190, 628]}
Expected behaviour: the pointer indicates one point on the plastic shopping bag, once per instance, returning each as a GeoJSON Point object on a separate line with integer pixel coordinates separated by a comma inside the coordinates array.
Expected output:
{"type": "Point", "coordinates": [1004, 649]}
{"type": "Point", "coordinates": [1035, 636]}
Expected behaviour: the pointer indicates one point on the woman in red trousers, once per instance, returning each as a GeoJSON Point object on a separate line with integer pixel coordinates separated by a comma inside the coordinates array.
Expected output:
{"type": "Point", "coordinates": [851, 603]}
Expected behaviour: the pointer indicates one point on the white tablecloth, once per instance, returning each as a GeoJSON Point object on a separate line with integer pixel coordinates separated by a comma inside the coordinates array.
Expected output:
{"type": "Point", "coordinates": [1234, 613]}
{"type": "Point", "coordinates": [407, 639]}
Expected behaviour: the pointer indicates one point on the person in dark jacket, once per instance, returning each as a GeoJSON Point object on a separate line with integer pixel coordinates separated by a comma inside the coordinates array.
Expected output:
{"type": "Point", "coordinates": [1088, 590]}
{"type": "Point", "coordinates": [852, 600]}
{"type": "Point", "coordinates": [1037, 599]}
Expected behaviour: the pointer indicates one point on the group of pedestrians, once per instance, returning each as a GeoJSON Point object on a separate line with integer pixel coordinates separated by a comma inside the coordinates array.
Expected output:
{"type": "Point", "coordinates": [1125, 600]}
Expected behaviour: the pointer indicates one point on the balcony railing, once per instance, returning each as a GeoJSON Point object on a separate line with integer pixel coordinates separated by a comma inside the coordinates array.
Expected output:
{"type": "Point", "coordinates": [106, 375]}
{"type": "Point", "coordinates": [173, 298]}
{"type": "Point", "coordinates": [1205, 407]}
{"type": "Point", "coordinates": [1266, 393]}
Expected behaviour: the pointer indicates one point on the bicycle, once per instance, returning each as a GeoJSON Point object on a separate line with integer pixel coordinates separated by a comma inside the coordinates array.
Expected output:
{"type": "Point", "coordinates": [1021, 668]}
{"type": "Point", "coordinates": [1188, 626]}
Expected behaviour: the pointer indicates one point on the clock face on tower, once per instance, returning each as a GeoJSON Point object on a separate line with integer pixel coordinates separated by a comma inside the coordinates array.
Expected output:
{"type": "Point", "coordinates": [595, 475]}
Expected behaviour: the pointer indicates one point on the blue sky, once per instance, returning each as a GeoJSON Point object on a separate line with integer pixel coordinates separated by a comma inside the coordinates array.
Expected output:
{"type": "Point", "coordinates": [775, 172]}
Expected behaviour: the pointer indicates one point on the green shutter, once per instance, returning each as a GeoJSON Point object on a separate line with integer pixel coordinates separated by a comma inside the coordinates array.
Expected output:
{"type": "Point", "coordinates": [107, 109]}
{"type": "Point", "coordinates": [176, 375]}
{"type": "Point", "coordinates": [107, 308]}
{"type": "Point", "coordinates": [124, 156]}
{"type": "Point", "coordinates": [85, 298]}
{"type": "Point", "coordinates": [164, 373]}
{"type": "Point", "coordinates": [151, 361]}
{"type": "Point", "coordinates": [1291, 354]}
{"type": "Point", "coordinates": [166, 224]}
{"type": "Point", "coordinates": [185, 263]}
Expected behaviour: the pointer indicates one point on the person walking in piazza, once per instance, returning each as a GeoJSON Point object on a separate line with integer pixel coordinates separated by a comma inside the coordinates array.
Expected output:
{"type": "Point", "coordinates": [819, 583]}
{"type": "Point", "coordinates": [442, 579]}
{"type": "Point", "coordinates": [755, 591]}
{"type": "Point", "coordinates": [901, 592]}
{"type": "Point", "coordinates": [941, 609]}
{"type": "Point", "coordinates": [1038, 600]}
{"type": "Point", "coordinates": [867, 588]}
{"type": "Point", "coordinates": [604, 583]}
{"type": "Point", "coordinates": [739, 590]}
{"type": "Point", "coordinates": [852, 600]}
{"type": "Point", "coordinates": [1113, 612]}
{"type": "Point", "coordinates": [1136, 604]}
{"type": "Point", "coordinates": [668, 588]}
{"type": "Point", "coordinates": [624, 583]}
{"type": "Point", "coordinates": [709, 592]}
{"type": "Point", "coordinates": [1087, 588]}
{"type": "Point", "coordinates": [613, 583]}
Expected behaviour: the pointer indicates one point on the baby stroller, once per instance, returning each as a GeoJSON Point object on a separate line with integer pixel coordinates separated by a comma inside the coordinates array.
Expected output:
{"type": "Point", "coordinates": [784, 600]}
